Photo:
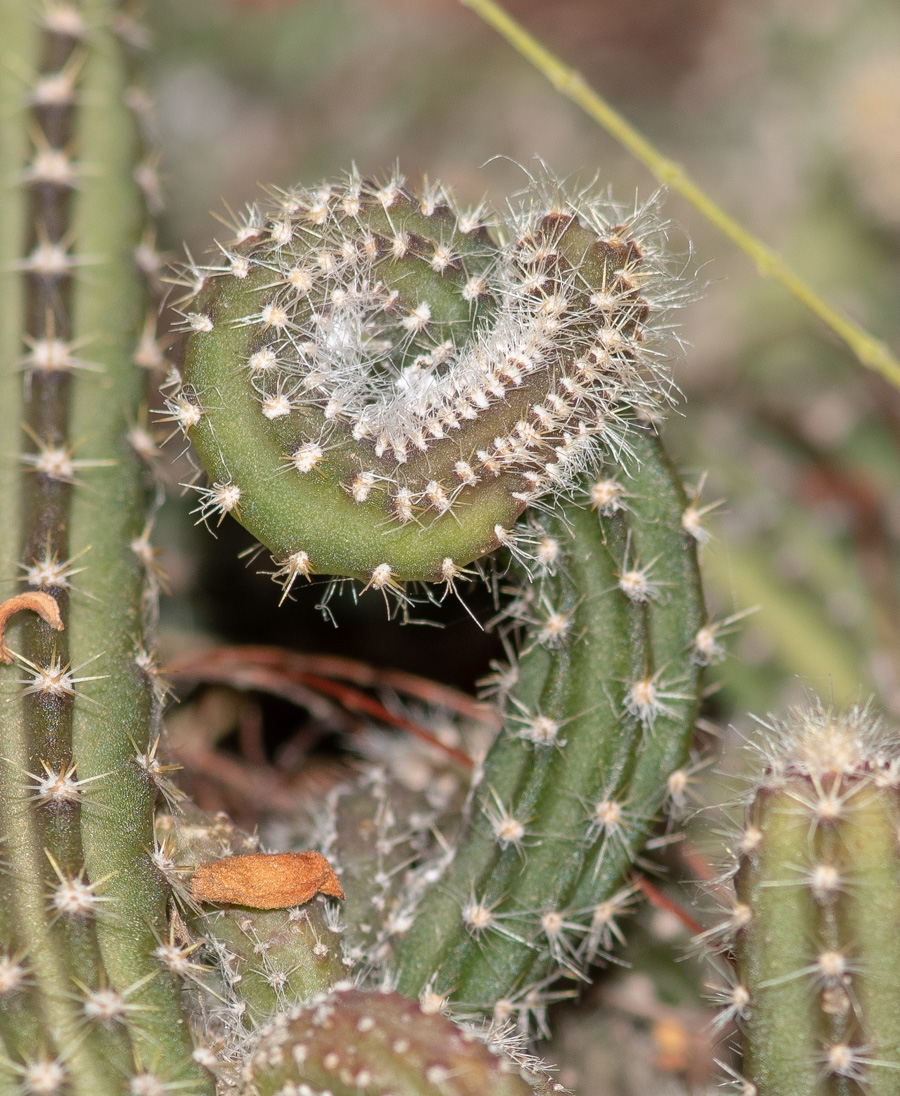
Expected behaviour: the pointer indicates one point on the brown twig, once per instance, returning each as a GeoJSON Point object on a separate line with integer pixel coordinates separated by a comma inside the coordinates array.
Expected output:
{"type": "Point", "coordinates": [292, 675]}
{"type": "Point", "coordinates": [696, 862]}
{"type": "Point", "coordinates": [661, 901]}
{"type": "Point", "coordinates": [355, 701]}
{"type": "Point", "coordinates": [345, 669]}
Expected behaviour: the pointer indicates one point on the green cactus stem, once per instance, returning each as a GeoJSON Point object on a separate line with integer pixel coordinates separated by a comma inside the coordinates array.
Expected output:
{"type": "Point", "coordinates": [599, 711]}
{"type": "Point", "coordinates": [354, 1043]}
{"type": "Point", "coordinates": [384, 826]}
{"type": "Point", "coordinates": [377, 387]}
{"type": "Point", "coordinates": [88, 1008]}
{"type": "Point", "coordinates": [815, 921]}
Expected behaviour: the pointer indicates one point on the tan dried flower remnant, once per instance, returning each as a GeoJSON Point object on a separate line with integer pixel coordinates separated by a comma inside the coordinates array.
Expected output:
{"type": "Point", "coordinates": [43, 604]}
{"type": "Point", "coordinates": [266, 881]}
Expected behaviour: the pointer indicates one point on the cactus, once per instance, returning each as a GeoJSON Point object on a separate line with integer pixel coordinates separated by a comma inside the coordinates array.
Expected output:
{"type": "Point", "coordinates": [600, 714]}
{"type": "Point", "coordinates": [377, 390]}
{"type": "Point", "coordinates": [351, 311]}
{"type": "Point", "coordinates": [379, 1043]}
{"type": "Point", "coordinates": [486, 919]}
{"type": "Point", "coordinates": [814, 922]}
{"type": "Point", "coordinates": [379, 385]}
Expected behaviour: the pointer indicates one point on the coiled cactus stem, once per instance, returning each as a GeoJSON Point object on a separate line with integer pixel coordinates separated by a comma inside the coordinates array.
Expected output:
{"type": "Point", "coordinates": [378, 383]}
{"type": "Point", "coordinates": [356, 1043]}
{"type": "Point", "coordinates": [815, 923]}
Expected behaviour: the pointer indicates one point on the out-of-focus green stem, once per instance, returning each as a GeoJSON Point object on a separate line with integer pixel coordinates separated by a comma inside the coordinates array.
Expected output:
{"type": "Point", "coordinates": [870, 351]}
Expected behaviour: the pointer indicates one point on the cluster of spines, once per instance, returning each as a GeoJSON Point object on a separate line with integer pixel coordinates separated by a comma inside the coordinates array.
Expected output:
{"type": "Point", "coordinates": [810, 938]}
{"type": "Point", "coordinates": [419, 375]}
{"type": "Point", "coordinates": [388, 832]}
{"type": "Point", "coordinates": [352, 1042]}
{"type": "Point", "coordinates": [87, 1007]}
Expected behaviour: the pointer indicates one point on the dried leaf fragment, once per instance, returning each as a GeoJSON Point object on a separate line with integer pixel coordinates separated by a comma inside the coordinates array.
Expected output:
{"type": "Point", "coordinates": [265, 881]}
{"type": "Point", "coordinates": [44, 605]}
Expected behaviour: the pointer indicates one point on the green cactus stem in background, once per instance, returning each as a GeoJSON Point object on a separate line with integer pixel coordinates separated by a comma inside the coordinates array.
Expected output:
{"type": "Point", "coordinates": [377, 385]}
{"type": "Point", "coordinates": [815, 922]}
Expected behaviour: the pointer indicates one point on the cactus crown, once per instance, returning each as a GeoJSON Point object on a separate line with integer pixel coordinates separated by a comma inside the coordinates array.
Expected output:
{"type": "Point", "coordinates": [378, 383]}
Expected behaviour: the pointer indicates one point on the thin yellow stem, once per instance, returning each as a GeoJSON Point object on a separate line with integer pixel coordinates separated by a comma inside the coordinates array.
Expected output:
{"type": "Point", "coordinates": [870, 351]}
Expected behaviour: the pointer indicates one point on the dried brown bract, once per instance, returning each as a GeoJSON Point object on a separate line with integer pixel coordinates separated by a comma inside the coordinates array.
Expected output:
{"type": "Point", "coordinates": [266, 881]}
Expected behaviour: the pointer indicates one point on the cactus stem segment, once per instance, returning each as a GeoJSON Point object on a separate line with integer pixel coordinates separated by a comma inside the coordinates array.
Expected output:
{"type": "Point", "coordinates": [814, 925]}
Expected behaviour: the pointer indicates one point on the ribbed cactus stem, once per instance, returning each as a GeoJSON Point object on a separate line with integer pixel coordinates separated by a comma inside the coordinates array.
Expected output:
{"type": "Point", "coordinates": [20, 34]}
{"type": "Point", "coordinates": [599, 712]}
{"type": "Point", "coordinates": [83, 907]}
{"type": "Point", "coordinates": [54, 909]}
{"type": "Point", "coordinates": [815, 925]}
{"type": "Point", "coordinates": [114, 723]}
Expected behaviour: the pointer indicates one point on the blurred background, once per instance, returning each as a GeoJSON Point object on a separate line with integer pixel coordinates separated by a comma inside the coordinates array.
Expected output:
{"type": "Point", "coordinates": [788, 113]}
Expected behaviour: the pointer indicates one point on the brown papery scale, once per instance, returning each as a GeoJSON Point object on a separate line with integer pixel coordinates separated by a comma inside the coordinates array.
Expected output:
{"type": "Point", "coordinates": [266, 881]}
